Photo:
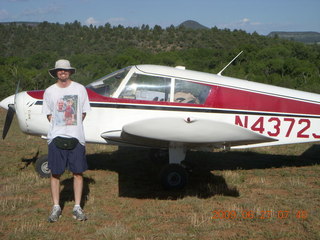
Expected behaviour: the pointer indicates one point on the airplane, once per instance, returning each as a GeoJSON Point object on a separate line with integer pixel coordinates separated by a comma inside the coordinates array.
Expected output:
{"type": "Point", "coordinates": [177, 109]}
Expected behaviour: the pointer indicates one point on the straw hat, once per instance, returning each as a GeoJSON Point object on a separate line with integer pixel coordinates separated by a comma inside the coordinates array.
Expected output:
{"type": "Point", "coordinates": [61, 64]}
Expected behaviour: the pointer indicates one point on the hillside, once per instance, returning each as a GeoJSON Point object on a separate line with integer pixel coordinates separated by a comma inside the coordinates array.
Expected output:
{"type": "Point", "coordinates": [190, 24]}
{"type": "Point", "coordinates": [31, 24]}
{"type": "Point", "coordinates": [27, 52]}
{"type": "Point", "coordinates": [305, 37]}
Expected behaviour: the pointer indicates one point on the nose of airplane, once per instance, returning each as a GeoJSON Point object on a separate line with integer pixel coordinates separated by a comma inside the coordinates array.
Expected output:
{"type": "Point", "coordinates": [7, 101]}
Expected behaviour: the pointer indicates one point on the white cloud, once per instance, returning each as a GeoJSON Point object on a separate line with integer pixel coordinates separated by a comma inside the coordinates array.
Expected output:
{"type": "Point", "coordinates": [245, 20]}
{"type": "Point", "coordinates": [91, 21]}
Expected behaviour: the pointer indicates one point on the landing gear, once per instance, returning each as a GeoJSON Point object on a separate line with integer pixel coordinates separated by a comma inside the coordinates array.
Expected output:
{"type": "Point", "coordinates": [174, 175]}
{"type": "Point", "coordinates": [41, 166]}
{"type": "Point", "coordinates": [158, 155]}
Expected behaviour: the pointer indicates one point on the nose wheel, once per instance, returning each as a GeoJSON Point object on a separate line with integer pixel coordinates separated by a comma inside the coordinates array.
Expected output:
{"type": "Point", "coordinates": [41, 166]}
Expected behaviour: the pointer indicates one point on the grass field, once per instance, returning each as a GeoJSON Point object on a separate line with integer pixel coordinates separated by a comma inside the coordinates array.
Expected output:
{"type": "Point", "coordinates": [269, 193]}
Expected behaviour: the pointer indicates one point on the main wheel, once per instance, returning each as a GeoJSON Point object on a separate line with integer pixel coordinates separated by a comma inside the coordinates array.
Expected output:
{"type": "Point", "coordinates": [41, 166]}
{"type": "Point", "coordinates": [173, 176]}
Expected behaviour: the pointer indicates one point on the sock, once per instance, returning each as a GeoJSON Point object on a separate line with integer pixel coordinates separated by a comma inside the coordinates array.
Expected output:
{"type": "Point", "coordinates": [56, 206]}
{"type": "Point", "coordinates": [76, 207]}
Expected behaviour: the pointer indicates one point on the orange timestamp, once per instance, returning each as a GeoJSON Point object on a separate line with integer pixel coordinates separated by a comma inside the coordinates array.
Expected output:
{"type": "Point", "coordinates": [263, 215]}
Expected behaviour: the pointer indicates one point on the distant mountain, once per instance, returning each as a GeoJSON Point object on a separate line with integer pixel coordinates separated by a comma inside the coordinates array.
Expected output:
{"type": "Point", "coordinates": [32, 24]}
{"type": "Point", "coordinates": [192, 25]}
{"type": "Point", "coordinates": [305, 37]}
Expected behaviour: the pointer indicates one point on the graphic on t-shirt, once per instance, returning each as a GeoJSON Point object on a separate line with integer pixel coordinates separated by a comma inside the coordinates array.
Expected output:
{"type": "Point", "coordinates": [66, 113]}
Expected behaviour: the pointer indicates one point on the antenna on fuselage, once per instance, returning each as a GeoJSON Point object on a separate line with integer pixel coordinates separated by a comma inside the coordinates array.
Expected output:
{"type": "Point", "coordinates": [219, 73]}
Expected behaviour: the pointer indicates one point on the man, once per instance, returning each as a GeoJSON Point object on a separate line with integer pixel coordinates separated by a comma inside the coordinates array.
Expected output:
{"type": "Point", "coordinates": [65, 104]}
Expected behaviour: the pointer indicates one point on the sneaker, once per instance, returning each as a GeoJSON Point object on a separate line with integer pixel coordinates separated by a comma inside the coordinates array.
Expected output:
{"type": "Point", "coordinates": [78, 214]}
{"type": "Point", "coordinates": [55, 214]}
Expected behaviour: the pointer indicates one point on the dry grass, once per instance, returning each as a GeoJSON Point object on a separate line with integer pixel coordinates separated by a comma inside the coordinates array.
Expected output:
{"type": "Point", "coordinates": [124, 201]}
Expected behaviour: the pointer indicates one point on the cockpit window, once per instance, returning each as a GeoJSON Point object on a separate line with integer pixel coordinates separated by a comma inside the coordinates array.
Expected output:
{"type": "Point", "coordinates": [145, 87]}
{"type": "Point", "coordinates": [190, 92]}
{"type": "Point", "coordinates": [150, 88]}
{"type": "Point", "coordinates": [107, 85]}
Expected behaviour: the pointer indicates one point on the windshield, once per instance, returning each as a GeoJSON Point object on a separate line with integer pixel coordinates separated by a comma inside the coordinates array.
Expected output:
{"type": "Point", "coordinates": [107, 85]}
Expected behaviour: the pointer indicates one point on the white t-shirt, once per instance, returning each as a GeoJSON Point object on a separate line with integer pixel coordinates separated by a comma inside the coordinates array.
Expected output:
{"type": "Point", "coordinates": [66, 105]}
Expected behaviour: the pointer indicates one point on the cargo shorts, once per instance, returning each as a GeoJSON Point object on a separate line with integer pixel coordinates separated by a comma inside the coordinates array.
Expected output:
{"type": "Point", "coordinates": [60, 160]}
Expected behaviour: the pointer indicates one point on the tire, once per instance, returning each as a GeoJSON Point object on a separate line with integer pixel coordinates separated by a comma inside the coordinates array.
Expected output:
{"type": "Point", "coordinates": [41, 166]}
{"type": "Point", "coordinates": [173, 177]}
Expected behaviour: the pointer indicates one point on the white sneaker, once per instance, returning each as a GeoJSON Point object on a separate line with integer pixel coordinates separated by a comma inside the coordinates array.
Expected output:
{"type": "Point", "coordinates": [78, 214]}
{"type": "Point", "coordinates": [55, 214]}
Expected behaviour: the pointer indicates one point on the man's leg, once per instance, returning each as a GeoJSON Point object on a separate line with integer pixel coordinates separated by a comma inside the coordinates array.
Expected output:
{"type": "Point", "coordinates": [56, 162]}
{"type": "Point", "coordinates": [55, 188]}
{"type": "Point", "coordinates": [55, 192]}
{"type": "Point", "coordinates": [77, 165]}
{"type": "Point", "coordinates": [77, 187]}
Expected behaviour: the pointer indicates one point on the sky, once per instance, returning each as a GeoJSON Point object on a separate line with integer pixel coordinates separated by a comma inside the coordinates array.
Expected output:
{"type": "Point", "coordinates": [261, 16]}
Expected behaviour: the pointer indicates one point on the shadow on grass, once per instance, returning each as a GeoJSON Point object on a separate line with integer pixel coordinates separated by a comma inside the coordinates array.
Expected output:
{"type": "Point", "coordinates": [28, 161]}
{"type": "Point", "coordinates": [138, 175]}
{"type": "Point", "coordinates": [66, 194]}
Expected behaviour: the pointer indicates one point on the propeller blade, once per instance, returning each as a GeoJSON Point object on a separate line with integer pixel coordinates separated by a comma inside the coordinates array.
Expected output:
{"type": "Point", "coordinates": [9, 118]}
{"type": "Point", "coordinates": [10, 113]}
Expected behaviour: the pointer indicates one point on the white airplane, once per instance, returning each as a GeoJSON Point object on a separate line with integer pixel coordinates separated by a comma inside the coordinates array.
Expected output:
{"type": "Point", "coordinates": [178, 109]}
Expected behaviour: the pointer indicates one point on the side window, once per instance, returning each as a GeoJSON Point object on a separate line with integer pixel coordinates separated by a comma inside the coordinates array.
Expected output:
{"type": "Point", "coordinates": [145, 87]}
{"type": "Point", "coordinates": [190, 92]}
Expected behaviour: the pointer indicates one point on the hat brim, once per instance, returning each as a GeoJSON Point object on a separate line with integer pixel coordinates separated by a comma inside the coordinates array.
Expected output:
{"type": "Point", "coordinates": [53, 72]}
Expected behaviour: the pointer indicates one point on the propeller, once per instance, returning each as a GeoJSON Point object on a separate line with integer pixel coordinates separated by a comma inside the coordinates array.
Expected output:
{"type": "Point", "coordinates": [10, 114]}
{"type": "Point", "coordinates": [9, 118]}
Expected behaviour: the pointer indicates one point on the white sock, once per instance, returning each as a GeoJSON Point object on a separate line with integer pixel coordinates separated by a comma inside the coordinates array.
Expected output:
{"type": "Point", "coordinates": [76, 207]}
{"type": "Point", "coordinates": [56, 206]}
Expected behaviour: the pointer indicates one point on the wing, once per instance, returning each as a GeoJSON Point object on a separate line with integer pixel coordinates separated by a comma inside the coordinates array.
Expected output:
{"type": "Point", "coordinates": [159, 132]}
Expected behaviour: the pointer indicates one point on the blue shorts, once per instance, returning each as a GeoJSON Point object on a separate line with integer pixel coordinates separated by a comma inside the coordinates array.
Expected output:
{"type": "Point", "coordinates": [74, 160]}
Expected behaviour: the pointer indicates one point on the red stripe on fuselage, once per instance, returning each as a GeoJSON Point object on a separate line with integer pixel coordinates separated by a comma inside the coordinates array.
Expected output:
{"type": "Point", "coordinates": [228, 98]}
{"type": "Point", "coordinates": [37, 94]}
